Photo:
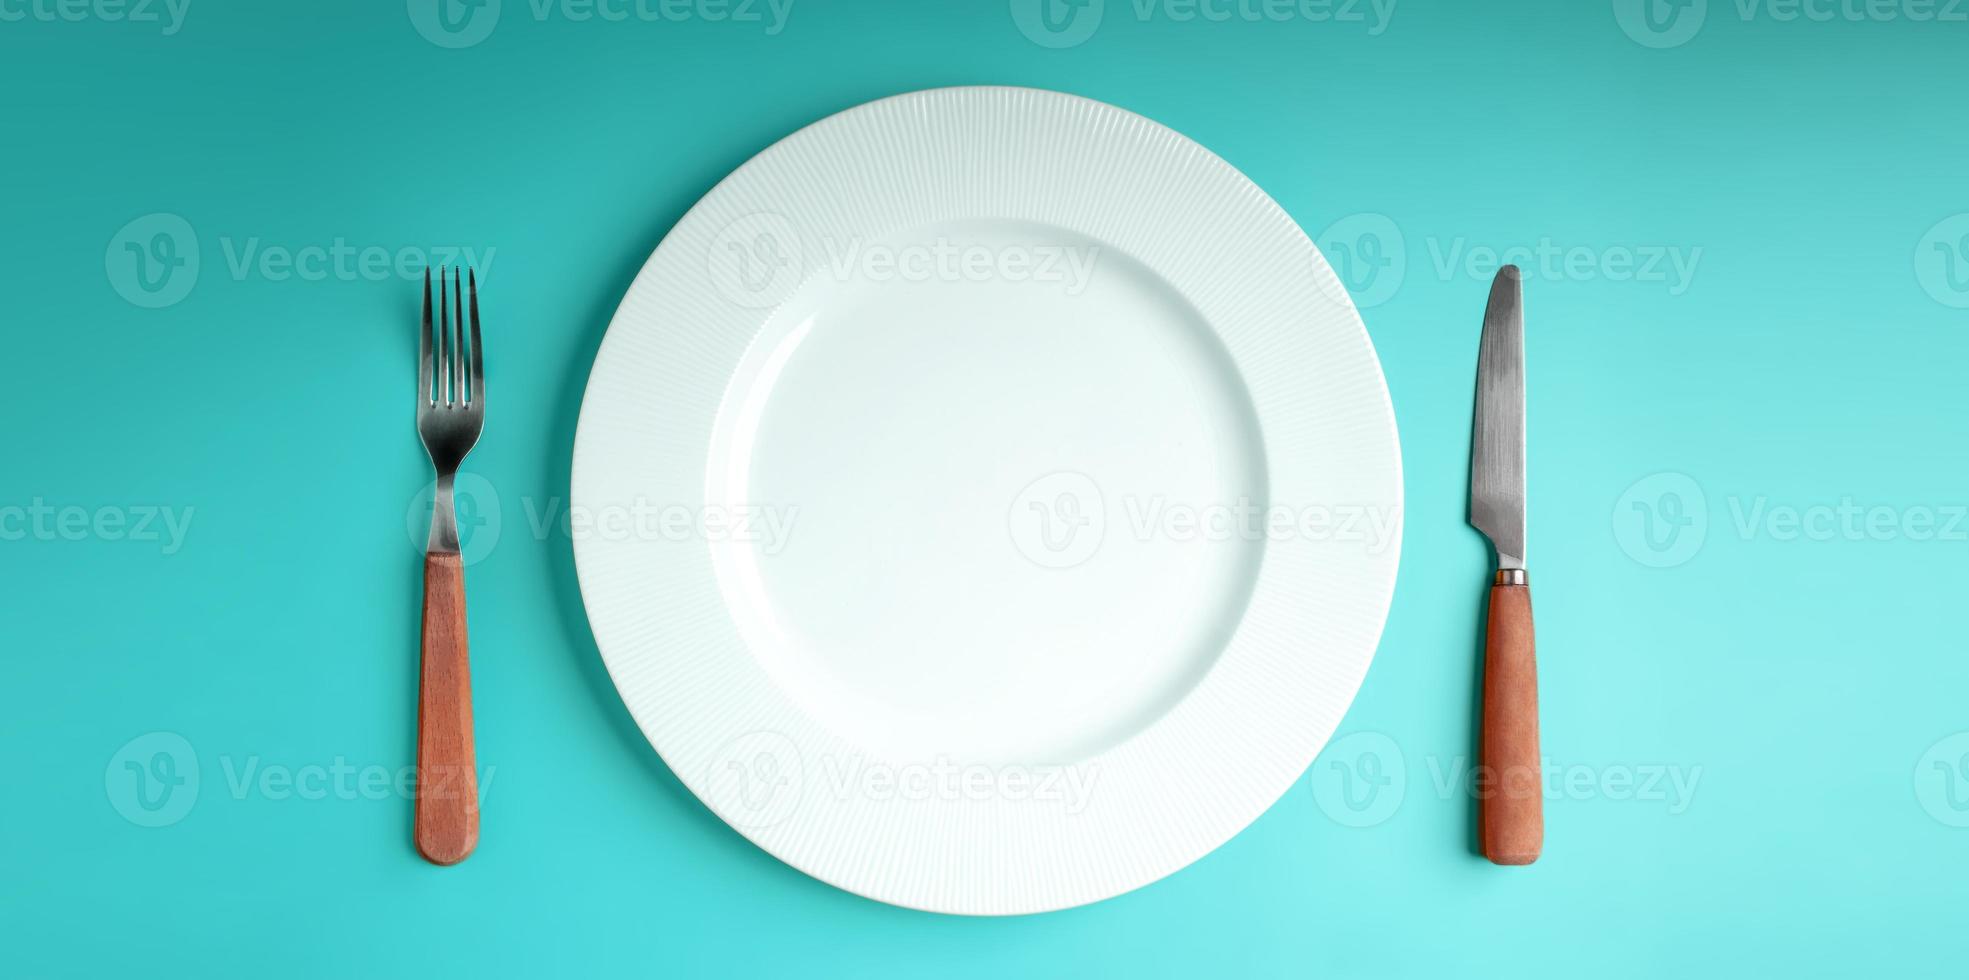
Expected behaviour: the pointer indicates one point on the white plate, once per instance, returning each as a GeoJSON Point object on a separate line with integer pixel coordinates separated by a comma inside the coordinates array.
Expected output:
{"type": "Point", "coordinates": [987, 500]}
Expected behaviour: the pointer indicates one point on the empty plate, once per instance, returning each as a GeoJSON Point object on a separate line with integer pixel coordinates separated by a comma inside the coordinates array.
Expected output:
{"type": "Point", "coordinates": [987, 500]}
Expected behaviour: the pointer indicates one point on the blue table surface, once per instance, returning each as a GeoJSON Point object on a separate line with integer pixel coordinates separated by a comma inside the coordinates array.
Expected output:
{"type": "Point", "coordinates": [1745, 227]}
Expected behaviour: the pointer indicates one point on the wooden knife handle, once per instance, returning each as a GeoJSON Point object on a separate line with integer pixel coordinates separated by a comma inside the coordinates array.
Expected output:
{"type": "Point", "coordinates": [1513, 813]}
{"type": "Point", "coordinates": [447, 820]}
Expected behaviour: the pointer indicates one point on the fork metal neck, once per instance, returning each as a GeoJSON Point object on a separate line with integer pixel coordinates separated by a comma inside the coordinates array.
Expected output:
{"type": "Point", "coordinates": [444, 519]}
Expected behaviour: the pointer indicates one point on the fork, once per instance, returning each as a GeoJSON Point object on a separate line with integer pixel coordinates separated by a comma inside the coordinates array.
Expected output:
{"type": "Point", "coordinates": [450, 415]}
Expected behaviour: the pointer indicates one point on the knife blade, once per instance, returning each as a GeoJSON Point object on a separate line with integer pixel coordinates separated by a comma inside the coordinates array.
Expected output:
{"type": "Point", "coordinates": [1497, 435]}
{"type": "Point", "coordinates": [1510, 784]}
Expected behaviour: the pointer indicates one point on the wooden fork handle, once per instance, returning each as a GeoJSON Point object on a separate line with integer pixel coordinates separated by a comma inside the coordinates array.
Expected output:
{"type": "Point", "coordinates": [1513, 813]}
{"type": "Point", "coordinates": [447, 819]}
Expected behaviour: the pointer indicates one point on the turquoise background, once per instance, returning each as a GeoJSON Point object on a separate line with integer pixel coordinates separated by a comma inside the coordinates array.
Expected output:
{"type": "Point", "coordinates": [1809, 684]}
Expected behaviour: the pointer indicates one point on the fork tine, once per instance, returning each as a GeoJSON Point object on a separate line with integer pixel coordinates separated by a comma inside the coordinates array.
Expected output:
{"type": "Point", "coordinates": [478, 360]}
{"type": "Point", "coordinates": [424, 349]}
{"type": "Point", "coordinates": [458, 340]}
{"type": "Point", "coordinates": [445, 354]}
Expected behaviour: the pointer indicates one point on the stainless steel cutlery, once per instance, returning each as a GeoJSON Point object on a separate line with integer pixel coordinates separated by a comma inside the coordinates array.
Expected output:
{"type": "Point", "coordinates": [450, 415]}
{"type": "Point", "coordinates": [1510, 788]}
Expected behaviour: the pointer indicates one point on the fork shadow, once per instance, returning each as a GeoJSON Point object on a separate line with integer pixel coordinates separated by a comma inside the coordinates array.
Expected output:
{"type": "Point", "coordinates": [557, 470]}
{"type": "Point", "coordinates": [557, 473]}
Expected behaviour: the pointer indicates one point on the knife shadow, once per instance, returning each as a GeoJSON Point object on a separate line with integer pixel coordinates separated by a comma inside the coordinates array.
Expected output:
{"type": "Point", "coordinates": [1474, 814]}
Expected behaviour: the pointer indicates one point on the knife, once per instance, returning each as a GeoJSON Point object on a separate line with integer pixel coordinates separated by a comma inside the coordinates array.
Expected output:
{"type": "Point", "coordinates": [1511, 821]}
